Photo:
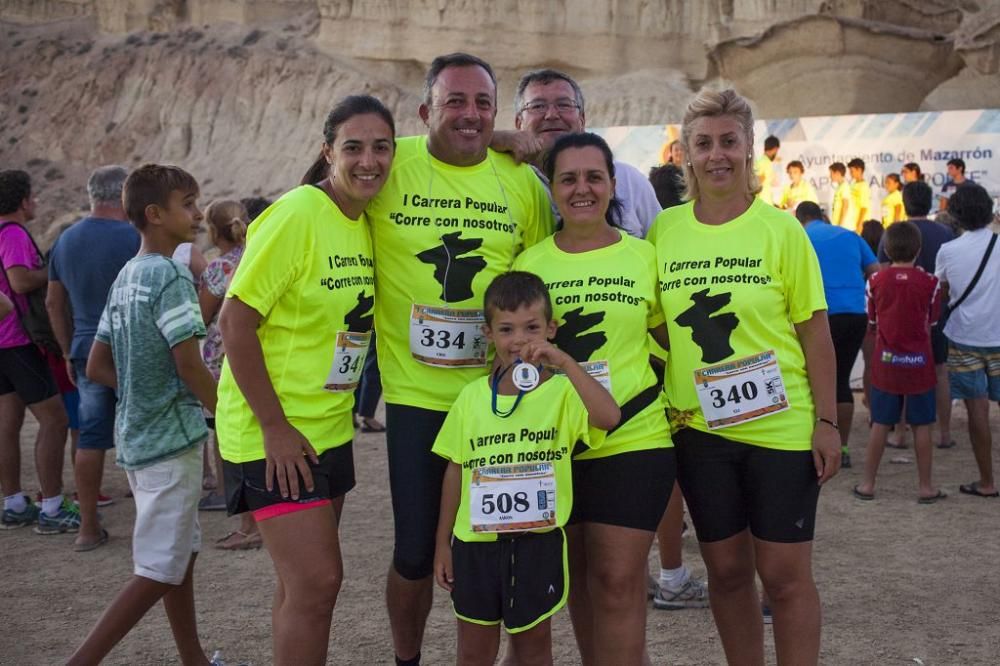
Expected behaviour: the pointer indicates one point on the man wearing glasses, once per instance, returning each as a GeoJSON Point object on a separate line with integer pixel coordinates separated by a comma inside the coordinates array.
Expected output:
{"type": "Point", "coordinates": [549, 104]}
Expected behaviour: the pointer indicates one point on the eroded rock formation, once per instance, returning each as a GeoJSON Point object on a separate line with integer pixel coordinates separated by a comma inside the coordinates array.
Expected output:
{"type": "Point", "coordinates": [236, 90]}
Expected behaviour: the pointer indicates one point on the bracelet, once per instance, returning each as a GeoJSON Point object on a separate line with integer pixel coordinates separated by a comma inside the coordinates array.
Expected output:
{"type": "Point", "coordinates": [832, 424]}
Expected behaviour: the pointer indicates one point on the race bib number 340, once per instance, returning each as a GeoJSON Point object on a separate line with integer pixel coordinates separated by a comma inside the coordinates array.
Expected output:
{"type": "Point", "coordinates": [448, 337]}
{"type": "Point", "coordinates": [741, 390]}
{"type": "Point", "coordinates": [513, 498]}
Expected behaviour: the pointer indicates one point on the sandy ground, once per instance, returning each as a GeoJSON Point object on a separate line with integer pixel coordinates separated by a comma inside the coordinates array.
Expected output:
{"type": "Point", "coordinates": [900, 582]}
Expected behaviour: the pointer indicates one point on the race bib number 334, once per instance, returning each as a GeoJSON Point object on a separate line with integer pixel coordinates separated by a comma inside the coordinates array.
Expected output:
{"type": "Point", "coordinates": [448, 337]}
{"type": "Point", "coordinates": [741, 390]}
{"type": "Point", "coordinates": [513, 498]}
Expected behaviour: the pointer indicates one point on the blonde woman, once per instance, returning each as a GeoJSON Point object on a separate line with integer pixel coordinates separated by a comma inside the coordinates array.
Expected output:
{"type": "Point", "coordinates": [749, 386]}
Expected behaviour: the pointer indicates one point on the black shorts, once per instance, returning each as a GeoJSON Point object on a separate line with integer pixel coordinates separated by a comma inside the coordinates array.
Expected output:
{"type": "Point", "coordinates": [415, 476]}
{"type": "Point", "coordinates": [939, 344]}
{"type": "Point", "coordinates": [848, 332]}
{"type": "Point", "coordinates": [246, 487]}
{"type": "Point", "coordinates": [25, 371]}
{"type": "Point", "coordinates": [520, 580]}
{"type": "Point", "coordinates": [627, 490]}
{"type": "Point", "coordinates": [730, 486]}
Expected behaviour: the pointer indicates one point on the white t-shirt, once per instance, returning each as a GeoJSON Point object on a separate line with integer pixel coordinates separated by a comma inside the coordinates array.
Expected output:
{"type": "Point", "coordinates": [638, 199]}
{"type": "Point", "coordinates": [977, 321]}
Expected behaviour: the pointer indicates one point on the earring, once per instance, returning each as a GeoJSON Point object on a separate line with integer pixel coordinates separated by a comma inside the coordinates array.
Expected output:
{"type": "Point", "coordinates": [689, 165]}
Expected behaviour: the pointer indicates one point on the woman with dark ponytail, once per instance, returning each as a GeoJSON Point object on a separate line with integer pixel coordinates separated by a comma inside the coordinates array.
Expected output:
{"type": "Point", "coordinates": [296, 326]}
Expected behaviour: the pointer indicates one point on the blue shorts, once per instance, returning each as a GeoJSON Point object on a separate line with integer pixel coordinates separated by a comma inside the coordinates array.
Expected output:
{"type": "Point", "coordinates": [974, 372]}
{"type": "Point", "coordinates": [71, 401]}
{"type": "Point", "coordinates": [886, 408]}
{"type": "Point", "coordinates": [97, 410]}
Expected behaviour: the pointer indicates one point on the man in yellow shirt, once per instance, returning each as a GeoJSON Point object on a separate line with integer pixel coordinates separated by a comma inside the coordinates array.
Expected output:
{"type": "Point", "coordinates": [451, 217]}
{"type": "Point", "coordinates": [861, 194]}
{"type": "Point", "coordinates": [764, 168]}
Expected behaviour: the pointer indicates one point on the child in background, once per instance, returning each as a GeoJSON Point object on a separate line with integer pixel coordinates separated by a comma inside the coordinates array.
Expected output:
{"type": "Point", "coordinates": [147, 349]}
{"type": "Point", "coordinates": [798, 190]}
{"type": "Point", "coordinates": [892, 204]}
{"type": "Point", "coordinates": [507, 491]}
{"type": "Point", "coordinates": [903, 303]}
{"type": "Point", "coordinates": [227, 228]}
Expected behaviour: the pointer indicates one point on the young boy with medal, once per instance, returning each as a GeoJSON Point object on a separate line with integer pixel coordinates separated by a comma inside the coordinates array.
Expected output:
{"type": "Point", "coordinates": [507, 490]}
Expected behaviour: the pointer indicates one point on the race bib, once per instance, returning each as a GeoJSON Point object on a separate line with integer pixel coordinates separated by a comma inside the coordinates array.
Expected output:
{"type": "Point", "coordinates": [513, 498]}
{"type": "Point", "coordinates": [448, 337]}
{"type": "Point", "coordinates": [599, 370]}
{"type": "Point", "coordinates": [742, 390]}
{"type": "Point", "coordinates": [348, 361]}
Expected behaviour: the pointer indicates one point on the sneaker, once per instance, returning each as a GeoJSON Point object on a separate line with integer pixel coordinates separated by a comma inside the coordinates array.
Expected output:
{"type": "Point", "coordinates": [67, 520]}
{"type": "Point", "coordinates": [765, 611]}
{"type": "Point", "coordinates": [13, 519]}
{"type": "Point", "coordinates": [845, 461]}
{"type": "Point", "coordinates": [102, 500]}
{"type": "Point", "coordinates": [693, 594]}
{"type": "Point", "coordinates": [652, 586]}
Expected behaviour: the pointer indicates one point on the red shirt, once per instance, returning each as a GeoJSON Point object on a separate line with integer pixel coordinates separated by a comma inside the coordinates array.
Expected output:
{"type": "Point", "coordinates": [902, 305]}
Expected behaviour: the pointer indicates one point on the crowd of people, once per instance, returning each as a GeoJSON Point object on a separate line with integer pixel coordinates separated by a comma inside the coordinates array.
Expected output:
{"type": "Point", "coordinates": [570, 354]}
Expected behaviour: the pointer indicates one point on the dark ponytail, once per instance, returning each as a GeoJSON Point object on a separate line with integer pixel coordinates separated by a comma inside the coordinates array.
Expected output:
{"type": "Point", "coordinates": [347, 108]}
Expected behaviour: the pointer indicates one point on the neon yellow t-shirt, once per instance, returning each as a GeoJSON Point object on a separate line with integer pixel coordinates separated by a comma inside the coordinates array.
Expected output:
{"type": "Point", "coordinates": [764, 168]}
{"type": "Point", "coordinates": [793, 195]}
{"type": "Point", "coordinates": [307, 270]}
{"type": "Point", "coordinates": [605, 300]}
{"type": "Point", "coordinates": [543, 430]}
{"type": "Point", "coordinates": [842, 202]}
{"type": "Point", "coordinates": [861, 202]}
{"type": "Point", "coordinates": [731, 291]}
{"type": "Point", "coordinates": [441, 234]}
{"type": "Point", "coordinates": [889, 204]}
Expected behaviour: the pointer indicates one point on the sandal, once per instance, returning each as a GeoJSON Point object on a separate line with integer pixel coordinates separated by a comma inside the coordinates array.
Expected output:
{"type": "Point", "coordinates": [243, 541]}
{"type": "Point", "coordinates": [947, 445]}
{"type": "Point", "coordinates": [93, 545]}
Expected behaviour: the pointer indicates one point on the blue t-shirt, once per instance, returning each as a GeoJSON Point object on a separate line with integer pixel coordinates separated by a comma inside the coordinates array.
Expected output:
{"type": "Point", "coordinates": [843, 256]}
{"type": "Point", "coordinates": [932, 236]}
{"type": "Point", "coordinates": [86, 259]}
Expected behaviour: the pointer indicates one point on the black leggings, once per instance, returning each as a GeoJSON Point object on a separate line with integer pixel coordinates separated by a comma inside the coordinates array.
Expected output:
{"type": "Point", "coordinates": [848, 332]}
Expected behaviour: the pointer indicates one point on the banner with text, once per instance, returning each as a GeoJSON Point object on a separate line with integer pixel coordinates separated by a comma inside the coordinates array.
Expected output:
{"type": "Point", "coordinates": [884, 141]}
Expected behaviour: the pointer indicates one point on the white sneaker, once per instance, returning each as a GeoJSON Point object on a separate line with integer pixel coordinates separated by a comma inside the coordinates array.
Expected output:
{"type": "Point", "coordinates": [692, 594]}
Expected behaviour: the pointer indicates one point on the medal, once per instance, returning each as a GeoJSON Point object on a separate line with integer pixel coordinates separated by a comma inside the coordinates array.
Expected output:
{"type": "Point", "coordinates": [525, 376]}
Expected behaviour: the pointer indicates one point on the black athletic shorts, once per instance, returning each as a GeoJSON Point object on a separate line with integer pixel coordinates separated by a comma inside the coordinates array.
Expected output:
{"type": "Point", "coordinates": [24, 370]}
{"type": "Point", "coordinates": [730, 486]}
{"type": "Point", "coordinates": [520, 580]}
{"type": "Point", "coordinates": [246, 486]}
{"type": "Point", "coordinates": [627, 490]}
{"type": "Point", "coordinates": [415, 476]}
{"type": "Point", "coordinates": [848, 332]}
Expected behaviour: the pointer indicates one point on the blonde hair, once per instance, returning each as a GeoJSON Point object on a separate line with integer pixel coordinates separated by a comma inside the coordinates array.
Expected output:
{"type": "Point", "coordinates": [227, 219]}
{"type": "Point", "coordinates": [713, 104]}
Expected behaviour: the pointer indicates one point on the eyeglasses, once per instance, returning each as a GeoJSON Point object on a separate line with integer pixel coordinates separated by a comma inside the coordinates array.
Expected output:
{"type": "Point", "coordinates": [540, 107]}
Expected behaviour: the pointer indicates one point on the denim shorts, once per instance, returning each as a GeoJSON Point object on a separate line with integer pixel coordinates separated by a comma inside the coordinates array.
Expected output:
{"type": "Point", "coordinates": [96, 410]}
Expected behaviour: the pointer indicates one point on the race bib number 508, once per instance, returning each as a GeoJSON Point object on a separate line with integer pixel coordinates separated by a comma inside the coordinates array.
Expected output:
{"type": "Point", "coordinates": [511, 498]}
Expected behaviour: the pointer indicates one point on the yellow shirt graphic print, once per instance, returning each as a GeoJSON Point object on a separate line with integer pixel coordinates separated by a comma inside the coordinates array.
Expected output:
{"type": "Point", "coordinates": [604, 301]}
{"type": "Point", "coordinates": [441, 234]}
{"type": "Point", "coordinates": [730, 292]}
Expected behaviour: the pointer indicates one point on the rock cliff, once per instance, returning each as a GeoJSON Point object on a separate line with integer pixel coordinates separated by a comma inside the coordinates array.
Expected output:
{"type": "Point", "coordinates": [236, 90]}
